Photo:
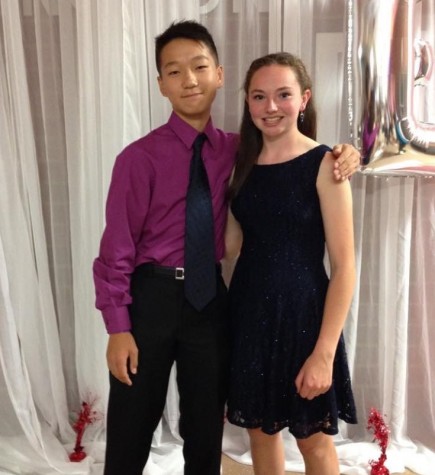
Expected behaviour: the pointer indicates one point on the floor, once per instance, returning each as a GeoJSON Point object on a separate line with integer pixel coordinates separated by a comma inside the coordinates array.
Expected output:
{"type": "Point", "coordinates": [233, 468]}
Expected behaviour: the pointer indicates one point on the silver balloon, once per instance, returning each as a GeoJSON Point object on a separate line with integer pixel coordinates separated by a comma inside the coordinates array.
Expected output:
{"type": "Point", "coordinates": [389, 69]}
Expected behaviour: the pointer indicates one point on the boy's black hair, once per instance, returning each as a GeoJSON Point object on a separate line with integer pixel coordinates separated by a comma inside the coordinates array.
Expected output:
{"type": "Point", "coordinates": [188, 29]}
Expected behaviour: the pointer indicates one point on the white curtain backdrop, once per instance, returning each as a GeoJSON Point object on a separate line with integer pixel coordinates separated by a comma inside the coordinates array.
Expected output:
{"type": "Point", "coordinates": [77, 83]}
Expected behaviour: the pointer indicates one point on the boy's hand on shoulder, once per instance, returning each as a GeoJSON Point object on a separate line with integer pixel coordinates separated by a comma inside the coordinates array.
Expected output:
{"type": "Point", "coordinates": [122, 356]}
{"type": "Point", "coordinates": [348, 161]}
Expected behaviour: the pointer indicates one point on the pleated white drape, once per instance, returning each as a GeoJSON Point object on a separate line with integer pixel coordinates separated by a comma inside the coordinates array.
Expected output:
{"type": "Point", "coordinates": [77, 83]}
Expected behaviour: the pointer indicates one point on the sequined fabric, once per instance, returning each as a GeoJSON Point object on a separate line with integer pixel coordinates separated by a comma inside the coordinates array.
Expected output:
{"type": "Point", "coordinates": [276, 296]}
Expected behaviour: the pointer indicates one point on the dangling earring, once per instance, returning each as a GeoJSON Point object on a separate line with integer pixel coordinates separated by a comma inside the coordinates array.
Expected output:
{"type": "Point", "coordinates": [301, 116]}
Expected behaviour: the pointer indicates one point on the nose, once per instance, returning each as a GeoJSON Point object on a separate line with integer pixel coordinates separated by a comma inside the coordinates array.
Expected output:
{"type": "Point", "coordinates": [271, 106]}
{"type": "Point", "coordinates": [189, 79]}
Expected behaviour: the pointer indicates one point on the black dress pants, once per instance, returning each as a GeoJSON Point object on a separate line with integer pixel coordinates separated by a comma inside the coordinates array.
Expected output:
{"type": "Point", "coordinates": [168, 329]}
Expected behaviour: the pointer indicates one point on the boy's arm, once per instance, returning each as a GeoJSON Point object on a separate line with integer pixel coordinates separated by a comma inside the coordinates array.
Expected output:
{"type": "Point", "coordinates": [348, 161]}
{"type": "Point", "coordinates": [126, 210]}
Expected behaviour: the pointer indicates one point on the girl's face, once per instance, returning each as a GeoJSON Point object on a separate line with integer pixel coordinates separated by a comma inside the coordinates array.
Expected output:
{"type": "Point", "coordinates": [275, 100]}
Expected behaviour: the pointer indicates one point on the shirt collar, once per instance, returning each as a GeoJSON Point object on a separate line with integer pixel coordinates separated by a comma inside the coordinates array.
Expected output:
{"type": "Point", "coordinates": [187, 134]}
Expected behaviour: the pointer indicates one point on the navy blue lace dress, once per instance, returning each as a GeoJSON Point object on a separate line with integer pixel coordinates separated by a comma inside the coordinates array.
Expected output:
{"type": "Point", "coordinates": [277, 295]}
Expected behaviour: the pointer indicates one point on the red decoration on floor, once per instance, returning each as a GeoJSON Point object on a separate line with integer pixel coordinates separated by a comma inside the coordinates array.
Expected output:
{"type": "Point", "coordinates": [85, 417]}
{"type": "Point", "coordinates": [381, 433]}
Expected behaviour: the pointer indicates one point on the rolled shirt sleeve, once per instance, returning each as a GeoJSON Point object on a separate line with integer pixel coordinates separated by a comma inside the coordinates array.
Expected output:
{"type": "Point", "coordinates": [126, 210]}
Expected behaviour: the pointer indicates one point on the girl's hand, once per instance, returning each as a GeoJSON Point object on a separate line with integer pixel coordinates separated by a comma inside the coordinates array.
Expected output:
{"type": "Point", "coordinates": [315, 376]}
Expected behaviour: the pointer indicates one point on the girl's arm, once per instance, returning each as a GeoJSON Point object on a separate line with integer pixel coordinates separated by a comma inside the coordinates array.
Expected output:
{"type": "Point", "coordinates": [233, 238]}
{"type": "Point", "coordinates": [335, 197]}
{"type": "Point", "coordinates": [233, 244]}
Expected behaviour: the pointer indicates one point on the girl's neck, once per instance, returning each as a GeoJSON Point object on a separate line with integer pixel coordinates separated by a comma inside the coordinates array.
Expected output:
{"type": "Point", "coordinates": [285, 148]}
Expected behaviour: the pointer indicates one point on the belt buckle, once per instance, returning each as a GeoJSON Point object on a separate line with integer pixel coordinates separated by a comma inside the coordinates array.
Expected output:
{"type": "Point", "coordinates": [179, 273]}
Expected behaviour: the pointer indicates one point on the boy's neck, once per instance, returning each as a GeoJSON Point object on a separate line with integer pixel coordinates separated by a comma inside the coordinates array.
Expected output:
{"type": "Point", "coordinates": [198, 124]}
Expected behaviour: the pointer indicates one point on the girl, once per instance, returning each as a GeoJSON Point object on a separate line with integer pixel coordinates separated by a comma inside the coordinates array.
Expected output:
{"type": "Point", "coordinates": [289, 367]}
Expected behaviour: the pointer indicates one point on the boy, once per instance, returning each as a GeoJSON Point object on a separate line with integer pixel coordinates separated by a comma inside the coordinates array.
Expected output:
{"type": "Point", "coordinates": [139, 274]}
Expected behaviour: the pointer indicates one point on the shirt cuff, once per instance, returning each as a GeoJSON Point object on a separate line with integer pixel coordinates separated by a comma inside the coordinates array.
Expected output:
{"type": "Point", "coordinates": [116, 319]}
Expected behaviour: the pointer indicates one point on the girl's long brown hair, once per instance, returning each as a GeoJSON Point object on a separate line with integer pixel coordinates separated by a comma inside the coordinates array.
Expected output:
{"type": "Point", "coordinates": [251, 141]}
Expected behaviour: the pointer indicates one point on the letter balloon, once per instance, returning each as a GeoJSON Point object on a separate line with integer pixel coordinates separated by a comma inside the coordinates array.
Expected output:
{"type": "Point", "coordinates": [390, 54]}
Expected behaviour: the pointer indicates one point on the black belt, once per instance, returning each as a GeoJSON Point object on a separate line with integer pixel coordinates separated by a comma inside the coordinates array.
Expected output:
{"type": "Point", "coordinates": [176, 273]}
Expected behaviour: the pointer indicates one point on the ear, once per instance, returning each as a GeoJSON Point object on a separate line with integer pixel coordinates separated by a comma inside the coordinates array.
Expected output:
{"type": "Point", "coordinates": [305, 98]}
{"type": "Point", "coordinates": [220, 74]}
{"type": "Point", "coordinates": [161, 86]}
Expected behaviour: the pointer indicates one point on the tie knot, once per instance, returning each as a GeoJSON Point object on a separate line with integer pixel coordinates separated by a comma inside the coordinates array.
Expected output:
{"type": "Point", "coordinates": [199, 141]}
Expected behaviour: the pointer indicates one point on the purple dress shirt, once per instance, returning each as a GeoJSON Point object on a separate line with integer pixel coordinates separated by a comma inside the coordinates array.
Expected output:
{"type": "Point", "coordinates": [145, 209]}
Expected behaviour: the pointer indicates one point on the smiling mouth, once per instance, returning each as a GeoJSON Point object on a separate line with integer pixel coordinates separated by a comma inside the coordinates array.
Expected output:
{"type": "Point", "coordinates": [271, 120]}
{"type": "Point", "coordinates": [192, 95]}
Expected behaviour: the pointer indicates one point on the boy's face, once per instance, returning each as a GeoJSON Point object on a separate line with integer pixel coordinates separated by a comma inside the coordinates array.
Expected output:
{"type": "Point", "coordinates": [189, 79]}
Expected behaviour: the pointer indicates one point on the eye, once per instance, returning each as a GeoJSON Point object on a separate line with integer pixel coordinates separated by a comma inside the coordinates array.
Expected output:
{"type": "Point", "coordinates": [258, 97]}
{"type": "Point", "coordinates": [202, 66]}
{"type": "Point", "coordinates": [173, 72]}
{"type": "Point", "coordinates": [285, 95]}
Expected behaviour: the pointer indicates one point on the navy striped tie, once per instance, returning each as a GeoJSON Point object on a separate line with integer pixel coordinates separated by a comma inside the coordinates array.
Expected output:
{"type": "Point", "coordinates": [199, 246]}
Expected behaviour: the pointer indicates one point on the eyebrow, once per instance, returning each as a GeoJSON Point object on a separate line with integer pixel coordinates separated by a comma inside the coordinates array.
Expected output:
{"type": "Point", "coordinates": [195, 58]}
{"type": "Point", "coordinates": [280, 89]}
